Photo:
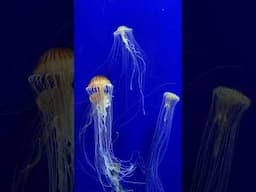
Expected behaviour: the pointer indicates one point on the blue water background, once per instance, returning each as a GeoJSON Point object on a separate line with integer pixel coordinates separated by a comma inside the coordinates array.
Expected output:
{"type": "Point", "coordinates": [157, 29]}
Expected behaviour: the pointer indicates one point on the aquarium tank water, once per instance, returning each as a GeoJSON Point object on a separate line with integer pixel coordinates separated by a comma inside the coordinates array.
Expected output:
{"type": "Point", "coordinates": [128, 96]}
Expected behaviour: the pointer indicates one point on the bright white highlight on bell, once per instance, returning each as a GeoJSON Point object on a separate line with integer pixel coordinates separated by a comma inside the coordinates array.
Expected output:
{"type": "Point", "coordinates": [129, 52]}
{"type": "Point", "coordinates": [160, 142]}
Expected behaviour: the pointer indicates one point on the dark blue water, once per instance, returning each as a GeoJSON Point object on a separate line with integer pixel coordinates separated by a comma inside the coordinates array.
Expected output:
{"type": "Point", "coordinates": [218, 47]}
{"type": "Point", "coordinates": [157, 29]}
{"type": "Point", "coordinates": [28, 30]}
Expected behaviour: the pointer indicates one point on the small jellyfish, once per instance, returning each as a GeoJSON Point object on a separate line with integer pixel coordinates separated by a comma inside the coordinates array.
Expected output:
{"type": "Point", "coordinates": [216, 150]}
{"type": "Point", "coordinates": [52, 81]}
{"type": "Point", "coordinates": [160, 141]}
{"type": "Point", "coordinates": [127, 53]}
{"type": "Point", "coordinates": [110, 170]}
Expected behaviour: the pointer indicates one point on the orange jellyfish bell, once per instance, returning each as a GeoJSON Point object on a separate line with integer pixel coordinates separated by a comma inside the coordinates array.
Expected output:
{"type": "Point", "coordinates": [52, 79]}
{"type": "Point", "coordinates": [100, 91]}
{"type": "Point", "coordinates": [55, 60]}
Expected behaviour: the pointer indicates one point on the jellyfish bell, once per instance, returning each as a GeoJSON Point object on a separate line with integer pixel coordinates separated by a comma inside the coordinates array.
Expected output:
{"type": "Point", "coordinates": [54, 70]}
{"type": "Point", "coordinates": [54, 66]}
{"type": "Point", "coordinates": [52, 79]}
{"type": "Point", "coordinates": [170, 97]}
{"type": "Point", "coordinates": [170, 100]}
{"type": "Point", "coordinates": [100, 91]}
{"type": "Point", "coordinates": [55, 60]}
{"type": "Point", "coordinates": [229, 99]}
{"type": "Point", "coordinates": [121, 30]}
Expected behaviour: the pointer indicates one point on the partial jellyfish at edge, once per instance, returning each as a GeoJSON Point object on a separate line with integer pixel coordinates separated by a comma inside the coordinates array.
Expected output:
{"type": "Point", "coordinates": [52, 81]}
{"type": "Point", "coordinates": [214, 160]}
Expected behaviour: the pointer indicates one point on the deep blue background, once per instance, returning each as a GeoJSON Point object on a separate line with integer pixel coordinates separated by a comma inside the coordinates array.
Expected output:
{"type": "Point", "coordinates": [157, 28]}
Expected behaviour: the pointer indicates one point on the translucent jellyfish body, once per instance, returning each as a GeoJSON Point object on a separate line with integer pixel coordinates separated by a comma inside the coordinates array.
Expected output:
{"type": "Point", "coordinates": [127, 53]}
{"type": "Point", "coordinates": [52, 80]}
{"type": "Point", "coordinates": [214, 160]}
{"type": "Point", "coordinates": [160, 142]}
{"type": "Point", "coordinates": [110, 170]}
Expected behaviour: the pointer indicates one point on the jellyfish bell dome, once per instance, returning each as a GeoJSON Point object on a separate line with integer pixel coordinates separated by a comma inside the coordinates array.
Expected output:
{"type": "Point", "coordinates": [171, 97]}
{"type": "Point", "coordinates": [100, 91]}
{"type": "Point", "coordinates": [122, 29]}
{"type": "Point", "coordinates": [52, 79]}
{"type": "Point", "coordinates": [55, 60]}
{"type": "Point", "coordinates": [231, 96]}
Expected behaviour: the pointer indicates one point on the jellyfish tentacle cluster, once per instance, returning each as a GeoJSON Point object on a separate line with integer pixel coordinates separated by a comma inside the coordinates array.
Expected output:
{"type": "Point", "coordinates": [160, 141]}
{"type": "Point", "coordinates": [216, 150]}
{"type": "Point", "coordinates": [111, 171]}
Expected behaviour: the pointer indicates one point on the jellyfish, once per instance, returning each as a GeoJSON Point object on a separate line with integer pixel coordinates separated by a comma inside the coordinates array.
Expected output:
{"type": "Point", "coordinates": [216, 150]}
{"type": "Point", "coordinates": [160, 142]}
{"type": "Point", "coordinates": [52, 81]}
{"type": "Point", "coordinates": [110, 170]}
{"type": "Point", "coordinates": [126, 52]}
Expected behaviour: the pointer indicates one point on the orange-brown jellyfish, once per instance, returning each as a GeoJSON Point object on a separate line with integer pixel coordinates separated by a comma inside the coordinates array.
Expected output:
{"type": "Point", "coordinates": [111, 171]}
{"type": "Point", "coordinates": [52, 81]}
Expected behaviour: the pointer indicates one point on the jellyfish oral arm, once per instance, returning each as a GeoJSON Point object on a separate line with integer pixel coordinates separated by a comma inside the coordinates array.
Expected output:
{"type": "Point", "coordinates": [126, 41]}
